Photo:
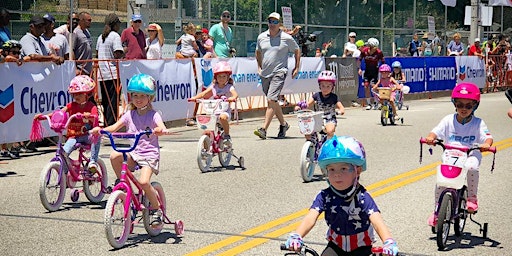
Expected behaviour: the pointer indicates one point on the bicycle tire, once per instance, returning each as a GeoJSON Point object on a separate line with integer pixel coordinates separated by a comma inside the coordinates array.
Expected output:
{"type": "Point", "coordinates": [307, 161]}
{"type": "Point", "coordinates": [460, 221]}
{"type": "Point", "coordinates": [444, 221]}
{"type": "Point", "coordinates": [92, 191]}
{"type": "Point", "coordinates": [225, 154]}
{"type": "Point", "coordinates": [384, 116]}
{"type": "Point", "coordinates": [146, 218]}
{"type": "Point", "coordinates": [117, 222]}
{"type": "Point", "coordinates": [204, 154]}
{"type": "Point", "coordinates": [51, 189]}
{"type": "Point", "coordinates": [399, 100]}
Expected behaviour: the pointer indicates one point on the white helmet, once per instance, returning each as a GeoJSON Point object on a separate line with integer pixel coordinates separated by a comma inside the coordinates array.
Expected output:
{"type": "Point", "coordinates": [373, 42]}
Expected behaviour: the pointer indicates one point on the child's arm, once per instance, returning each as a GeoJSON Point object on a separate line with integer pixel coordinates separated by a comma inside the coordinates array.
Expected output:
{"type": "Point", "coordinates": [389, 245]}
{"type": "Point", "coordinates": [160, 128]}
{"type": "Point", "coordinates": [430, 138]}
{"type": "Point", "coordinates": [201, 95]}
{"type": "Point", "coordinates": [234, 94]}
{"type": "Point", "coordinates": [394, 83]}
{"type": "Point", "coordinates": [487, 144]}
{"type": "Point", "coordinates": [340, 107]}
{"type": "Point", "coordinates": [376, 85]}
{"type": "Point", "coordinates": [311, 101]}
{"type": "Point", "coordinates": [294, 241]}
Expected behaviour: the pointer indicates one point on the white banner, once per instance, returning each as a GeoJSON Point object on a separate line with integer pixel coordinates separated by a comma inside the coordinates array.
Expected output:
{"type": "Point", "coordinates": [451, 3]}
{"type": "Point", "coordinates": [30, 89]}
{"type": "Point", "coordinates": [175, 84]}
{"type": "Point", "coordinates": [287, 17]}
{"type": "Point", "coordinates": [471, 69]}
{"type": "Point", "coordinates": [500, 2]}
{"type": "Point", "coordinates": [247, 80]}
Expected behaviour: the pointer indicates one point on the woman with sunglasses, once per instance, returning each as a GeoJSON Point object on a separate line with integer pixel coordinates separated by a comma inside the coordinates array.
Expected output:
{"type": "Point", "coordinates": [222, 36]}
{"type": "Point", "coordinates": [465, 128]}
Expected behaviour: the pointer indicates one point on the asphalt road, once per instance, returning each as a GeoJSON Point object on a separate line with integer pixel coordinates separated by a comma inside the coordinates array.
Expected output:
{"type": "Point", "coordinates": [250, 212]}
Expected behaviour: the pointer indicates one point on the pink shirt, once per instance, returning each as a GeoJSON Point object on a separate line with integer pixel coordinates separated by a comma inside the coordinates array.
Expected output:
{"type": "Point", "coordinates": [147, 148]}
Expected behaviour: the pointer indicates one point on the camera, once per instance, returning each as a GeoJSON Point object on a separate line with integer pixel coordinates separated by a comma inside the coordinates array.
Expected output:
{"type": "Point", "coordinates": [305, 39]}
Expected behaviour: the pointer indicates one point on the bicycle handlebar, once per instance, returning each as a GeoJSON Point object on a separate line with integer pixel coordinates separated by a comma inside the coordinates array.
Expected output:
{"type": "Point", "coordinates": [72, 117]}
{"type": "Point", "coordinates": [125, 135]}
{"type": "Point", "coordinates": [458, 147]}
{"type": "Point", "coordinates": [305, 250]}
{"type": "Point", "coordinates": [201, 100]}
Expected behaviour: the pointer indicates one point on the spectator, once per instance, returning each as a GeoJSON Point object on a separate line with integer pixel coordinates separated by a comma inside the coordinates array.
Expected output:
{"type": "Point", "coordinates": [455, 47]}
{"type": "Point", "coordinates": [55, 43]}
{"type": "Point", "coordinates": [207, 44]}
{"type": "Point", "coordinates": [32, 48]}
{"type": "Point", "coordinates": [109, 47]}
{"type": "Point", "coordinates": [188, 42]}
{"type": "Point", "coordinates": [475, 49]}
{"type": "Point", "coordinates": [65, 29]}
{"type": "Point", "coordinates": [5, 19]}
{"type": "Point", "coordinates": [272, 50]}
{"type": "Point", "coordinates": [415, 46]}
{"type": "Point", "coordinates": [502, 47]}
{"type": "Point", "coordinates": [134, 40]}
{"type": "Point", "coordinates": [154, 42]}
{"type": "Point", "coordinates": [291, 32]}
{"type": "Point", "coordinates": [349, 47]}
{"type": "Point", "coordinates": [201, 51]}
{"type": "Point", "coordinates": [83, 44]}
{"type": "Point", "coordinates": [222, 36]}
{"type": "Point", "coordinates": [439, 45]}
{"type": "Point", "coordinates": [427, 45]}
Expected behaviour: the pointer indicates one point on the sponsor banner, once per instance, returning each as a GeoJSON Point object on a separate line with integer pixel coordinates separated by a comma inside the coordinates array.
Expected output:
{"type": "Point", "coordinates": [247, 81]}
{"type": "Point", "coordinates": [29, 89]}
{"type": "Point", "coordinates": [346, 72]}
{"type": "Point", "coordinates": [174, 84]}
{"type": "Point", "coordinates": [414, 71]}
{"type": "Point", "coordinates": [471, 69]}
{"type": "Point", "coordinates": [441, 73]}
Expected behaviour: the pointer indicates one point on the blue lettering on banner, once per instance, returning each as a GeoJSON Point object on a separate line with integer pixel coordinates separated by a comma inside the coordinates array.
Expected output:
{"type": "Point", "coordinates": [239, 78]}
{"type": "Point", "coordinates": [168, 92]}
{"type": "Point", "coordinates": [442, 73]}
{"type": "Point", "coordinates": [414, 74]}
{"type": "Point", "coordinates": [474, 73]}
{"type": "Point", "coordinates": [252, 77]}
{"type": "Point", "coordinates": [314, 74]}
{"type": "Point", "coordinates": [32, 102]}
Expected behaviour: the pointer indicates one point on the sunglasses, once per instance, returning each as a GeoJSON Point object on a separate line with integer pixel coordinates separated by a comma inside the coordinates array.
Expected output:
{"type": "Point", "coordinates": [226, 16]}
{"type": "Point", "coordinates": [468, 106]}
{"type": "Point", "coordinates": [137, 21]}
{"type": "Point", "coordinates": [275, 22]}
{"type": "Point", "coordinates": [352, 36]}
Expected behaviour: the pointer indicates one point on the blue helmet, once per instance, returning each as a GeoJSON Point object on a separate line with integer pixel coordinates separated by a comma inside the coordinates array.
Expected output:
{"type": "Point", "coordinates": [344, 149]}
{"type": "Point", "coordinates": [142, 83]}
{"type": "Point", "coordinates": [396, 64]}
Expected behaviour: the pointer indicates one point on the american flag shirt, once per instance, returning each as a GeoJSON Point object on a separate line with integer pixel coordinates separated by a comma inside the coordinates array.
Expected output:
{"type": "Point", "coordinates": [348, 222]}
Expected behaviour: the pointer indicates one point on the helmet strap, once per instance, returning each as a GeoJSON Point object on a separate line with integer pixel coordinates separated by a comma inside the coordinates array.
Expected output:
{"type": "Point", "coordinates": [348, 196]}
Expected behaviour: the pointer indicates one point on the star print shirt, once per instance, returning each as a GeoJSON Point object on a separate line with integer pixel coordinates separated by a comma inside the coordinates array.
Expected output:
{"type": "Point", "coordinates": [327, 104]}
{"type": "Point", "coordinates": [348, 222]}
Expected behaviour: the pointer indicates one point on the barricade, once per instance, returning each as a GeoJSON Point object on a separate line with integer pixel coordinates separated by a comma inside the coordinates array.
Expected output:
{"type": "Point", "coordinates": [498, 72]}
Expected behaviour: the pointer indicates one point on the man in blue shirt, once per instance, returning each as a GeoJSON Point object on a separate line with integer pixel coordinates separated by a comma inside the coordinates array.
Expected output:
{"type": "Point", "coordinates": [5, 18]}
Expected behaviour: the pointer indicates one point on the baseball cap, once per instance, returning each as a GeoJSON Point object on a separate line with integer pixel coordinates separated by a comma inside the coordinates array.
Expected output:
{"type": "Point", "coordinates": [204, 30]}
{"type": "Point", "coordinates": [49, 18]}
{"type": "Point", "coordinates": [352, 34]}
{"type": "Point", "coordinates": [36, 20]}
{"type": "Point", "coordinates": [152, 26]}
{"type": "Point", "coordinates": [226, 13]}
{"type": "Point", "coordinates": [136, 17]}
{"type": "Point", "coordinates": [477, 39]}
{"type": "Point", "coordinates": [199, 29]}
{"type": "Point", "coordinates": [274, 15]}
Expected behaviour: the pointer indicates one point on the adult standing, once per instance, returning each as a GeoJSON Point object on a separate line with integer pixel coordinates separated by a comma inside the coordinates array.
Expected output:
{"type": "Point", "coordinates": [154, 42]}
{"type": "Point", "coordinates": [372, 56]}
{"type": "Point", "coordinates": [455, 47]}
{"type": "Point", "coordinates": [109, 47]}
{"type": "Point", "coordinates": [55, 43]}
{"type": "Point", "coordinates": [222, 36]}
{"type": "Point", "coordinates": [5, 19]}
{"type": "Point", "coordinates": [272, 50]}
{"type": "Point", "coordinates": [134, 40]}
{"type": "Point", "coordinates": [82, 48]}
{"type": "Point", "coordinates": [348, 49]}
{"type": "Point", "coordinates": [415, 45]}
{"type": "Point", "coordinates": [32, 48]}
{"type": "Point", "coordinates": [67, 28]}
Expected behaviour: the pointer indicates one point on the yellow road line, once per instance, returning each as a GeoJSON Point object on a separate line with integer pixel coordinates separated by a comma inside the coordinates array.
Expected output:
{"type": "Point", "coordinates": [421, 172]}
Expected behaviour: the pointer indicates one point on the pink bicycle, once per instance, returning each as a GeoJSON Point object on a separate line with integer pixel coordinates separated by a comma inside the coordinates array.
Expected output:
{"type": "Point", "coordinates": [63, 172]}
{"type": "Point", "coordinates": [123, 204]}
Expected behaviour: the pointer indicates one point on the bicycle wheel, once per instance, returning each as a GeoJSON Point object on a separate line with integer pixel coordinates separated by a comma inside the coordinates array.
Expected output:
{"type": "Point", "coordinates": [52, 189]}
{"type": "Point", "coordinates": [460, 221]}
{"type": "Point", "coordinates": [94, 187]}
{"type": "Point", "coordinates": [204, 155]}
{"type": "Point", "coordinates": [307, 161]}
{"type": "Point", "coordinates": [399, 100]}
{"type": "Point", "coordinates": [146, 218]}
{"type": "Point", "coordinates": [118, 222]}
{"type": "Point", "coordinates": [444, 221]}
{"type": "Point", "coordinates": [384, 116]}
{"type": "Point", "coordinates": [225, 153]}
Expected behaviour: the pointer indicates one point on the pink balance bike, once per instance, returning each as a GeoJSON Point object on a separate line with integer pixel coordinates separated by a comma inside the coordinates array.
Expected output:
{"type": "Point", "coordinates": [452, 203]}
{"type": "Point", "coordinates": [123, 204]}
{"type": "Point", "coordinates": [212, 141]}
{"type": "Point", "coordinates": [63, 172]}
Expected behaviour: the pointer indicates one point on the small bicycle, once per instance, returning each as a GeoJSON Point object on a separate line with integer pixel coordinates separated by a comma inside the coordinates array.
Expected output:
{"type": "Point", "coordinates": [452, 207]}
{"type": "Point", "coordinates": [386, 111]}
{"type": "Point", "coordinates": [63, 172]}
{"type": "Point", "coordinates": [306, 250]}
{"type": "Point", "coordinates": [399, 96]}
{"type": "Point", "coordinates": [123, 204]}
{"type": "Point", "coordinates": [310, 123]}
{"type": "Point", "coordinates": [212, 141]}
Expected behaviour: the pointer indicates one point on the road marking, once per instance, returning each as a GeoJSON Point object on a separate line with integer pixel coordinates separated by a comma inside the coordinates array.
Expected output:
{"type": "Point", "coordinates": [387, 185]}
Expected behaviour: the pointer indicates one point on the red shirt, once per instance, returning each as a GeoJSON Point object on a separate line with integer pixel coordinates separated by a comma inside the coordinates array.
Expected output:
{"type": "Point", "coordinates": [136, 43]}
{"type": "Point", "coordinates": [77, 127]}
{"type": "Point", "coordinates": [473, 49]}
{"type": "Point", "coordinates": [371, 59]}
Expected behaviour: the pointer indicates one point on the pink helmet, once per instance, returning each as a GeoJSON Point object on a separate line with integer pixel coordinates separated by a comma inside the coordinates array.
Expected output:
{"type": "Point", "coordinates": [327, 75]}
{"type": "Point", "coordinates": [81, 84]}
{"type": "Point", "coordinates": [222, 67]}
{"type": "Point", "coordinates": [466, 91]}
{"type": "Point", "coordinates": [384, 68]}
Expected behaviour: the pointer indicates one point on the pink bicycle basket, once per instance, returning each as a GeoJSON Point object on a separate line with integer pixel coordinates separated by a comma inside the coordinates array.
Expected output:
{"type": "Point", "coordinates": [450, 171]}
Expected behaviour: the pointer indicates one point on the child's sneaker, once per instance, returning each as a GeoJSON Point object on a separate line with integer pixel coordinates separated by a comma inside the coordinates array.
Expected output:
{"type": "Point", "coordinates": [93, 167]}
{"type": "Point", "coordinates": [432, 220]}
{"type": "Point", "coordinates": [282, 130]}
{"type": "Point", "coordinates": [227, 140]}
{"type": "Point", "coordinates": [472, 205]}
{"type": "Point", "coordinates": [155, 217]}
{"type": "Point", "coordinates": [368, 107]}
{"type": "Point", "coordinates": [260, 132]}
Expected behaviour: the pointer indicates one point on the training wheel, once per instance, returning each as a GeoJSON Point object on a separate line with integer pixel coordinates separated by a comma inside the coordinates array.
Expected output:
{"type": "Point", "coordinates": [241, 162]}
{"type": "Point", "coordinates": [433, 230]}
{"type": "Point", "coordinates": [179, 228]}
{"type": "Point", "coordinates": [75, 194]}
{"type": "Point", "coordinates": [484, 231]}
{"type": "Point", "coordinates": [407, 107]}
{"type": "Point", "coordinates": [402, 120]}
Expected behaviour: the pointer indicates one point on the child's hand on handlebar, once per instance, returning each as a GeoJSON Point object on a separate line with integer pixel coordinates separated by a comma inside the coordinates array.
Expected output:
{"type": "Point", "coordinates": [96, 130]}
{"type": "Point", "coordinates": [390, 247]}
{"type": "Point", "coordinates": [37, 116]}
{"type": "Point", "coordinates": [484, 147]}
{"type": "Point", "coordinates": [294, 242]}
{"type": "Point", "coordinates": [430, 140]}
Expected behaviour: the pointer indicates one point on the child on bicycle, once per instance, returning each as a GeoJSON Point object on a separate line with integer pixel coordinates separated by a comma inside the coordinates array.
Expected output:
{"type": "Point", "coordinates": [222, 87]}
{"type": "Point", "coordinates": [467, 129]}
{"type": "Point", "coordinates": [141, 89]}
{"type": "Point", "coordinates": [386, 81]}
{"type": "Point", "coordinates": [397, 73]}
{"type": "Point", "coordinates": [80, 89]}
{"type": "Point", "coordinates": [350, 211]}
{"type": "Point", "coordinates": [327, 101]}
